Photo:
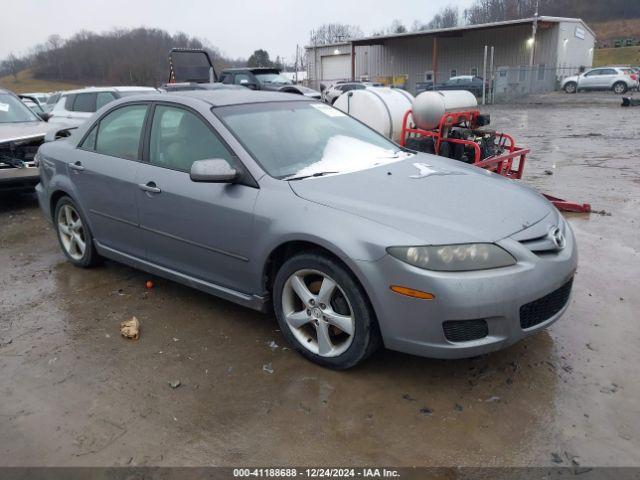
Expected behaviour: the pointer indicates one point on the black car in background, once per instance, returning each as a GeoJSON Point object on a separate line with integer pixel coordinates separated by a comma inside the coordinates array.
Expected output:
{"type": "Point", "coordinates": [260, 78]}
{"type": "Point", "coordinates": [472, 83]}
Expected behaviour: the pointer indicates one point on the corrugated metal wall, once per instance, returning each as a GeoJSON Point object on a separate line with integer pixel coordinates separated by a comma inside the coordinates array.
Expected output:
{"type": "Point", "coordinates": [462, 54]}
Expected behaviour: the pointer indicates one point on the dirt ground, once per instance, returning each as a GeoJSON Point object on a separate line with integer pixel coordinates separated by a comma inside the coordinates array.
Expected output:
{"type": "Point", "coordinates": [73, 392]}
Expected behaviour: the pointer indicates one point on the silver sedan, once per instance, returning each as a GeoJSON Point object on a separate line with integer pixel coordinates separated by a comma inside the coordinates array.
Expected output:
{"type": "Point", "coordinates": [288, 205]}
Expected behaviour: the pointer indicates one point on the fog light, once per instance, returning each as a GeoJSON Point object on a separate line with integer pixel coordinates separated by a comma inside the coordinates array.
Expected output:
{"type": "Point", "coordinates": [410, 292]}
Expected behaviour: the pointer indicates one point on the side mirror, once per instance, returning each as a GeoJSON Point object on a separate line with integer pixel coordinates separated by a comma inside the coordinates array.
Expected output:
{"type": "Point", "coordinates": [213, 171]}
{"type": "Point", "coordinates": [45, 116]}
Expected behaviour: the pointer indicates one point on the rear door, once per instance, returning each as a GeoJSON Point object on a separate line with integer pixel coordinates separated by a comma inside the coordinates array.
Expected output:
{"type": "Point", "coordinates": [198, 229]}
{"type": "Point", "coordinates": [608, 77]}
{"type": "Point", "coordinates": [103, 171]}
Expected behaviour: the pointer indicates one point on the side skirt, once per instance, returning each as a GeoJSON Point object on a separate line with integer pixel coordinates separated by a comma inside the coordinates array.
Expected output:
{"type": "Point", "coordinates": [255, 302]}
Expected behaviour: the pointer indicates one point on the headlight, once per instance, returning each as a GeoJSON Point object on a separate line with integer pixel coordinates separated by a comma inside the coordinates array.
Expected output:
{"type": "Point", "coordinates": [454, 258]}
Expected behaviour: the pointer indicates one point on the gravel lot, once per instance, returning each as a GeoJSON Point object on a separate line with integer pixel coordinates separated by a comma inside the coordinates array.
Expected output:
{"type": "Point", "coordinates": [73, 392]}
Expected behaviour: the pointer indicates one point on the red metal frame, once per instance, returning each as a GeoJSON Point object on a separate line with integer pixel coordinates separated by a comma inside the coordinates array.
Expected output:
{"type": "Point", "coordinates": [510, 164]}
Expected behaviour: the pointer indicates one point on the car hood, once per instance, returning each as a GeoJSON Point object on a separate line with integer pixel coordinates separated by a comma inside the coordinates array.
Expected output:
{"type": "Point", "coordinates": [10, 132]}
{"type": "Point", "coordinates": [309, 92]}
{"type": "Point", "coordinates": [436, 200]}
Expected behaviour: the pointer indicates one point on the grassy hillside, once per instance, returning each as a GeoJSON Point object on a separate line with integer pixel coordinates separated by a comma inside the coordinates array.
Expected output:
{"type": "Point", "coordinates": [26, 83]}
{"type": "Point", "coordinates": [616, 56]}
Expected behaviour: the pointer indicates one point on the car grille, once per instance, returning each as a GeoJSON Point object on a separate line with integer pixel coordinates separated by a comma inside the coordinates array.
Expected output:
{"type": "Point", "coordinates": [541, 310]}
{"type": "Point", "coordinates": [465, 330]}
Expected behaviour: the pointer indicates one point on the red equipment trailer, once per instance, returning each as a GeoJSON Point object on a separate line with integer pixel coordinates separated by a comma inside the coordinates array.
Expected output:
{"type": "Point", "coordinates": [508, 161]}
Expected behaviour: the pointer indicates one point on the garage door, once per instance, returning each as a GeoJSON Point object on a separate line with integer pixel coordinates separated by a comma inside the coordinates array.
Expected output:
{"type": "Point", "coordinates": [336, 67]}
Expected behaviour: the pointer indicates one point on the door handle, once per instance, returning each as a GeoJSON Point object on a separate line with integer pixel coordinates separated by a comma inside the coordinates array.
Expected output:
{"type": "Point", "coordinates": [150, 187]}
{"type": "Point", "coordinates": [76, 166]}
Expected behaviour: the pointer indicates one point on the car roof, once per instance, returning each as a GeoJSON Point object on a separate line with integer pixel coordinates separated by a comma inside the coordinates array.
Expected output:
{"type": "Point", "coordinates": [224, 97]}
{"type": "Point", "coordinates": [109, 89]}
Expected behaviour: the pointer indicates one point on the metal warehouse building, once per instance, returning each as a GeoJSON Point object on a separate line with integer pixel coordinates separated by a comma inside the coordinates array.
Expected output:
{"type": "Point", "coordinates": [529, 55]}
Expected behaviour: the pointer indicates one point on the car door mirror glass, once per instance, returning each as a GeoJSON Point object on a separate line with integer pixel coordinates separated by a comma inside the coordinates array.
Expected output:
{"type": "Point", "coordinates": [214, 170]}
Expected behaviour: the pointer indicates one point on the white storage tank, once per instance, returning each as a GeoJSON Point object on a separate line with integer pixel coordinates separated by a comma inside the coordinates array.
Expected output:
{"type": "Point", "coordinates": [380, 108]}
{"type": "Point", "coordinates": [429, 107]}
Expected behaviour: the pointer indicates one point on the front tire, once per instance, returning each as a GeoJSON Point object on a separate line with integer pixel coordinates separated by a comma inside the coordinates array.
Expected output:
{"type": "Point", "coordinates": [323, 312]}
{"type": "Point", "coordinates": [620, 88]}
{"type": "Point", "coordinates": [571, 87]}
{"type": "Point", "coordinates": [74, 235]}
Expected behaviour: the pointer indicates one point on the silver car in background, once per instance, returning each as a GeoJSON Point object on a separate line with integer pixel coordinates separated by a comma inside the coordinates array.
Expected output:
{"type": "Point", "coordinates": [74, 107]}
{"type": "Point", "coordinates": [274, 201]}
{"type": "Point", "coordinates": [618, 79]}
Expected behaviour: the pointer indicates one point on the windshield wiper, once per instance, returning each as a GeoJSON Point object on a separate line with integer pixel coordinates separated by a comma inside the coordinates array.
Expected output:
{"type": "Point", "coordinates": [302, 177]}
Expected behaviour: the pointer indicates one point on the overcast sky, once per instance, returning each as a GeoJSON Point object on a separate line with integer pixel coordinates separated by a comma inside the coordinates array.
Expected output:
{"type": "Point", "coordinates": [236, 27]}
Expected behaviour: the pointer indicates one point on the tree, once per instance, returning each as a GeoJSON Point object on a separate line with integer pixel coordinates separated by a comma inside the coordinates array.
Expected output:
{"type": "Point", "coordinates": [13, 64]}
{"type": "Point", "coordinates": [446, 18]}
{"type": "Point", "coordinates": [259, 58]}
{"type": "Point", "coordinates": [334, 33]}
{"type": "Point", "coordinates": [397, 27]}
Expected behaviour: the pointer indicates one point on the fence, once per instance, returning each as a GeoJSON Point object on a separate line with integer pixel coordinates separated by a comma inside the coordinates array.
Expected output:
{"type": "Point", "coordinates": [503, 84]}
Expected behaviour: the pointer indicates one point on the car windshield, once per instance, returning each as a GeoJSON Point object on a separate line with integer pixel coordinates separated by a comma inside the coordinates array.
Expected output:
{"type": "Point", "coordinates": [12, 110]}
{"type": "Point", "coordinates": [272, 78]}
{"type": "Point", "coordinates": [301, 139]}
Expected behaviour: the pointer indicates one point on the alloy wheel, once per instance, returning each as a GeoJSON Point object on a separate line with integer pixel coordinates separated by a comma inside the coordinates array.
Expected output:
{"type": "Point", "coordinates": [318, 313]}
{"type": "Point", "coordinates": [71, 232]}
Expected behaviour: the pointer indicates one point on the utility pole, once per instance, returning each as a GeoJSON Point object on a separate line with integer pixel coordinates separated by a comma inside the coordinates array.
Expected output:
{"type": "Point", "coordinates": [296, 64]}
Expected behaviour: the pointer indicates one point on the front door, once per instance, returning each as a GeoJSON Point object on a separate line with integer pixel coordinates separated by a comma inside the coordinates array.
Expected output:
{"type": "Point", "coordinates": [103, 170]}
{"type": "Point", "coordinates": [203, 230]}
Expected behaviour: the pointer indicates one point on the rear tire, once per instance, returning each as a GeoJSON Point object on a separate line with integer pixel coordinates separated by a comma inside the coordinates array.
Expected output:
{"type": "Point", "coordinates": [74, 235]}
{"type": "Point", "coordinates": [620, 88]}
{"type": "Point", "coordinates": [571, 87]}
{"type": "Point", "coordinates": [335, 325]}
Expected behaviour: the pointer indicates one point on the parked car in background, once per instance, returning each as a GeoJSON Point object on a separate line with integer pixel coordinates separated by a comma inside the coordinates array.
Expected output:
{"type": "Point", "coordinates": [51, 101]}
{"type": "Point", "coordinates": [21, 133]}
{"type": "Point", "coordinates": [618, 79]}
{"type": "Point", "coordinates": [275, 201]}
{"type": "Point", "coordinates": [34, 106]}
{"type": "Point", "coordinates": [471, 83]}
{"type": "Point", "coordinates": [331, 94]}
{"type": "Point", "coordinates": [265, 79]}
{"type": "Point", "coordinates": [76, 106]}
{"type": "Point", "coordinates": [39, 97]}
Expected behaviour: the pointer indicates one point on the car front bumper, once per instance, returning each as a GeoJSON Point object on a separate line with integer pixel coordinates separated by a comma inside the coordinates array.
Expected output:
{"type": "Point", "coordinates": [12, 178]}
{"type": "Point", "coordinates": [492, 298]}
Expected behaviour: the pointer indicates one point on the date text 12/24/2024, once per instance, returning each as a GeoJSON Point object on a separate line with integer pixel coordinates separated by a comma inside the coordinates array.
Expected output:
{"type": "Point", "coordinates": [315, 473]}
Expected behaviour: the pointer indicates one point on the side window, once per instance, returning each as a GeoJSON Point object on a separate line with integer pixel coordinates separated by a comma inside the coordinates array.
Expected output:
{"type": "Point", "coordinates": [609, 71]}
{"type": "Point", "coordinates": [102, 98]}
{"type": "Point", "coordinates": [240, 77]}
{"type": "Point", "coordinates": [179, 138]}
{"type": "Point", "coordinates": [593, 73]}
{"type": "Point", "coordinates": [89, 142]}
{"type": "Point", "coordinates": [85, 102]}
{"type": "Point", "coordinates": [119, 132]}
{"type": "Point", "coordinates": [68, 102]}
{"type": "Point", "coordinates": [227, 78]}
